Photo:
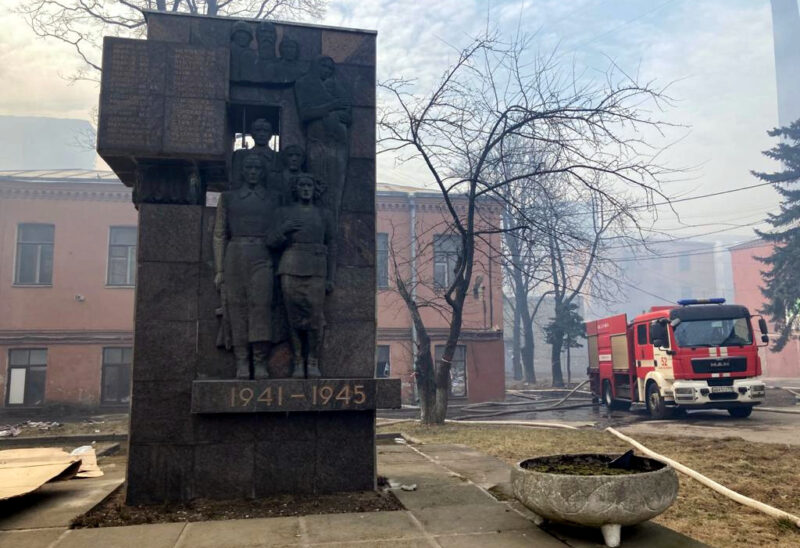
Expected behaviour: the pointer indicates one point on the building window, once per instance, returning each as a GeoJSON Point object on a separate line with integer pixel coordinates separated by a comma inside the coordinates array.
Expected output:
{"type": "Point", "coordinates": [116, 375]}
{"type": "Point", "coordinates": [684, 263]}
{"type": "Point", "coordinates": [446, 250]}
{"type": "Point", "coordinates": [382, 369]}
{"type": "Point", "coordinates": [122, 256]}
{"type": "Point", "coordinates": [34, 254]}
{"type": "Point", "coordinates": [458, 369]}
{"type": "Point", "coordinates": [382, 259]}
{"type": "Point", "coordinates": [26, 376]}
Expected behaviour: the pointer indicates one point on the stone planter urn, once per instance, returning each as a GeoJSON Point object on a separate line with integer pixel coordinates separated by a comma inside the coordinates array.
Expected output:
{"type": "Point", "coordinates": [561, 488]}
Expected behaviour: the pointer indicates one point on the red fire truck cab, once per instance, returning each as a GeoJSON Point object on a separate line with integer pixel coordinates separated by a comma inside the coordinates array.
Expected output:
{"type": "Point", "coordinates": [699, 355]}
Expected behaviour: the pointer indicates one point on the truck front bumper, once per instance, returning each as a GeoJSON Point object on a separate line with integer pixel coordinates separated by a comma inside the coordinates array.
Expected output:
{"type": "Point", "coordinates": [699, 394]}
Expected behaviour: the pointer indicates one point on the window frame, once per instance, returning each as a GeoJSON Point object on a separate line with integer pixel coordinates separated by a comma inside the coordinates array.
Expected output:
{"type": "Point", "coordinates": [642, 328]}
{"type": "Point", "coordinates": [40, 245]}
{"type": "Point", "coordinates": [130, 258]}
{"type": "Point", "coordinates": [27, 368]}
{"type": "Point", "coordinates": [388, 361]}
{"type": "Point", "coordinates": [104, 365]}
{"type": "Point", "coordinates": [438, 254]}
{"type": "Point", "coordinates": [382, 261]}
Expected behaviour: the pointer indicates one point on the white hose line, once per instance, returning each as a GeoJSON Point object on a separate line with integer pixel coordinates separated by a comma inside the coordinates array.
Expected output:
{"type": "Point", "coordinates": [536, 390]}
{"type": "Point", "coordinates": [516, 423]}
{"type": "Point", "coordinates": [498, 423]}
{"type": "Point", "coordinates": [389, 422]}
{"type": "Point", "coordinates": [565, 398]}
{"type": "Point", "coordinates": [721, 489]}
{"type": "Point", "coordinates": [788, 411]}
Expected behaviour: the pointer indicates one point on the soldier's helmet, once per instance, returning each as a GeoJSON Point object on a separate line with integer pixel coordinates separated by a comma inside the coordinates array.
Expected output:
{"type": "Point", "coordinates": [241, 26]}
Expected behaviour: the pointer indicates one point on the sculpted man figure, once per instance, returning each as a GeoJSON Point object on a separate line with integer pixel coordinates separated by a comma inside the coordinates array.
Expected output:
{"type": "Point", "coordinates": [243, 235]}
{"type": "Point", "coordinates": [261, 131]}
{"type": "Point", "coordinates": [266, 65]}
{"type": "Point", "coordinates": [292, 159]}
{"type": "Point", "coordinates": [324, 107]}
{"type": "Point", "coordinates": [306, 272]}
{"type": "Point", "coordinates": [243, 58]}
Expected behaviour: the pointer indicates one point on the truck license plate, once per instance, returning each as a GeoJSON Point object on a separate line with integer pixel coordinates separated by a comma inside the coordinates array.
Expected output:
{"type": "Point", "coordinates": [722, 389]}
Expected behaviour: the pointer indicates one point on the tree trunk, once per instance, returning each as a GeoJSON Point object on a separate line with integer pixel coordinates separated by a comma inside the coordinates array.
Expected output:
{"type": "Point", "coordinates": [527, 353]}
{"type": "Point", "coordinates": [516, 346]}
{"type": "Point", "coordinates": [527, 328]}
{"type": "Point", "coordinates": [442, 391]}
{"type": "Point", "coordinates": [569, 373]}
{"type": "Point", "coordinates": [426, 382]}
{"type": "Point", "coordinates": [555, 356]}
{"type": "Point", "coordinates": [426, 374]}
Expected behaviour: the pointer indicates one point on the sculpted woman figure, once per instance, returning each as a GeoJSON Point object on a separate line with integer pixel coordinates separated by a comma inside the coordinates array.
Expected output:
{"type": "Point", "coordinates": [306, 271]}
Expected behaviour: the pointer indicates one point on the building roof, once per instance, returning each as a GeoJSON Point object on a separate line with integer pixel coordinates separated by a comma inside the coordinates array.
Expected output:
{"type": "Point", "coordinates": [758, 242]}
{"type": "Point", "coordinates": [58, 176]}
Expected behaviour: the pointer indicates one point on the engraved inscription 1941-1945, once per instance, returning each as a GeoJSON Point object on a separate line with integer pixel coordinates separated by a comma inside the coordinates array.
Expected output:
{"type": "Point", "coordinates": [291, 395]}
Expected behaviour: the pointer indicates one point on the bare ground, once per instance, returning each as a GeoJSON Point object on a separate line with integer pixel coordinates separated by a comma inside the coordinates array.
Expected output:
{"type": "Point", "coordinates": [765, 472]}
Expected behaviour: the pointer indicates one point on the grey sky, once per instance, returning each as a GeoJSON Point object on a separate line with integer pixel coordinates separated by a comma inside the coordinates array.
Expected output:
{"type": "Point", "coordinates": [718, 53]}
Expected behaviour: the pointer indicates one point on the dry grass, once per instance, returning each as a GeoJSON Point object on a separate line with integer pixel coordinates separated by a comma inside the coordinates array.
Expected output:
{"type": "Point", "coordinates": [766, 472]}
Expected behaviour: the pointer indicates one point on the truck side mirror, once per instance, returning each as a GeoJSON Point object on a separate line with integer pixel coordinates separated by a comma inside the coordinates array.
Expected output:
{"type": "Point", "coordinates": [762, 325]}
{"type": "Point", "coordinates": [764, 338]}
{"type": "Point", "coordinates": [658, 334]}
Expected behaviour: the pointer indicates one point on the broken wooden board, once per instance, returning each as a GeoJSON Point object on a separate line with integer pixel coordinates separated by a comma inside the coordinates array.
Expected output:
{"type": "Point", "coordinates": [89, 468]}
{"type": "Point", "coordinates": [25, 470]}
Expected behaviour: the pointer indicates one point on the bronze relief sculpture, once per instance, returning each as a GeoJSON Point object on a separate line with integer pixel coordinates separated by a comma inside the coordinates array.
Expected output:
{"type": "Point", "coordinates": [275, 233]}
{"type": "Point", "coordinates": [244, 235]}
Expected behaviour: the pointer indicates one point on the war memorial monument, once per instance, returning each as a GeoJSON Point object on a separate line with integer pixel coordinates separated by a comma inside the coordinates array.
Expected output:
{"type": "Point", "coordinates": [255, 320]}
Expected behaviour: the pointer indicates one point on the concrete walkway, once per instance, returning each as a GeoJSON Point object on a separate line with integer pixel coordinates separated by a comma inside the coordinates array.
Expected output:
{"type": "Point", "coordinates": [451, 507]}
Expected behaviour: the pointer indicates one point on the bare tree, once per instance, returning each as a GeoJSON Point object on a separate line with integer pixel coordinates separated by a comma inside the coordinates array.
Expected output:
{"type": "Point", "coordinates": [83, 23]}
{"type": "Point", "coordinates": [492, 93]}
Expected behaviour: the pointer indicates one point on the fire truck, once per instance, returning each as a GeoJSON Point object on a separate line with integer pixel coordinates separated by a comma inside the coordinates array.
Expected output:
{"type": "Point", "coordinates": [701, 354]}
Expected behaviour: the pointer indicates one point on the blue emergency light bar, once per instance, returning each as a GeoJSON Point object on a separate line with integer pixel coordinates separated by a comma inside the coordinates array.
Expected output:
{"type": "Point", "coordinates": [687, 302]}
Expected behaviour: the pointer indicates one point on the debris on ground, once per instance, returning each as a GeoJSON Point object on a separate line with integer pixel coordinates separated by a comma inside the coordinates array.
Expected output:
{"type": "Point", "coordinates": [89, 468]}
{"type": "Point", "coordinates": [25, 470]}
{"type": "Point", "coordinates": [14, 430]}
{"type": "Point", "coordinates": [8, 431]}
{"type": "Point", "coordinates": [411, 487]}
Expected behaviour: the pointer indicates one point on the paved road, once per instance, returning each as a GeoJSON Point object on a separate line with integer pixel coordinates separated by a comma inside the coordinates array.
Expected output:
{"type": "Point", "coordinates": [761, 426]}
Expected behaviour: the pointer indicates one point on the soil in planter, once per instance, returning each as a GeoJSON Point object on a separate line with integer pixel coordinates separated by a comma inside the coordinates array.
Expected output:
{"type": "Point", "coordinates": [113, 511]}
{"type": "Point", "coordinates": [588, 465]}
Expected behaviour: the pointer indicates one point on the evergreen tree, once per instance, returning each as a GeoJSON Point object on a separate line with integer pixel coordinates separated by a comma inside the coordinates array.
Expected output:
{"type": "Point", "coordinates": [569, 325]}
{"type": "Point", "coordinates": [782, 278]}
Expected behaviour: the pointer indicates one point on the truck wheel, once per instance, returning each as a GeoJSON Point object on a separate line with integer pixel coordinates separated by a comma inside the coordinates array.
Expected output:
{"type": "Point", "coordinates": [655, 403]}
{"type": "Point", "coordinates": [740, 412]}
{"type": "Point", "coordinates": [610, 402]}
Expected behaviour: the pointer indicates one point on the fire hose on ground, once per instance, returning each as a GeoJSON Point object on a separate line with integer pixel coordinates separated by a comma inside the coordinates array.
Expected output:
{"type": "Point", "coordinates": [478, 411]}
{"type": "Point", "coordinates": [708, 482]}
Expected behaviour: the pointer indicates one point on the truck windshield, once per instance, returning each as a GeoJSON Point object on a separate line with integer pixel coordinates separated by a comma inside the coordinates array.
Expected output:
{"type": "Point", "coordinates": [729, 332]}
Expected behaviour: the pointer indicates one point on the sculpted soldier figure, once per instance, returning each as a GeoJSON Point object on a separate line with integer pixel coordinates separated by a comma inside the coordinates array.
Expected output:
{"type": "Point", "coordinates": [292, 159]}
{"type": "Point", "coordinates": [306, 272]}
{"type": "Point", "coordinates": [243, 58]}
{"type": "Point", "coordinates": [243, 234]}
{"type": "Point", "coordinates": [324, 108]}
{"type": "Point", "coordinates": [261, 131]}
{"type": "Point", "coordinates": [267, 63]}
{"type": "Point", "coordinates": [290, 68]}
